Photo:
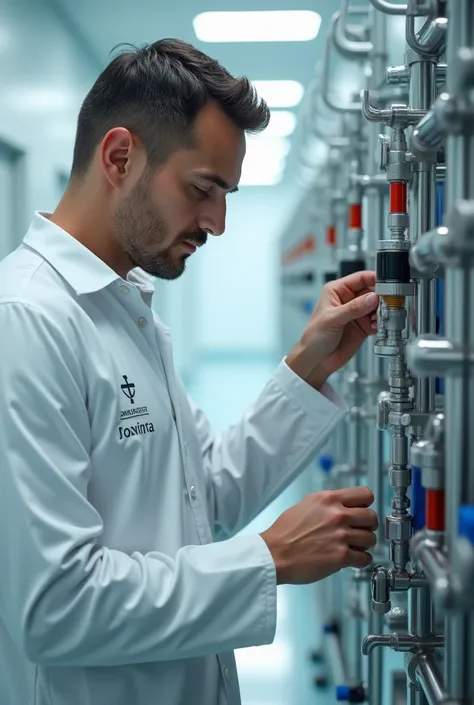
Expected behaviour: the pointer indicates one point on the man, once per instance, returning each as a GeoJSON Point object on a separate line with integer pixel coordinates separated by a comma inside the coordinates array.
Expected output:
{"type": "Point", "coordinates": [123, 582]}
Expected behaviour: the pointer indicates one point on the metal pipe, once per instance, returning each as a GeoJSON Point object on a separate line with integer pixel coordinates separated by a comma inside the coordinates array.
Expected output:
{"type": "Point", "coordinates": [423, 207]}
{"type": "Point", "coordinates": [459, 392]}
{"type": "Point", "coordinates": [430, 133]}
{"type": "Point", "coordinates": [389, 8]}
{"type": "Point", "coordinates": [357, 33]}
{"type": "Point", "coordinates": [434, 564]}
{"type": "Point", "coordinates": [431, 40]}
{"type": "Point", "coordinates": [400, 75]}
{"type": "Point", "coordinates": [399, 642]}
{"type": "Point", "coordinates": [423, 219]}
{"type": "Point", "coordinates": [414, 694]}
{"type": "Point", "coordinates": [430, 679]}
{"type": "Point", "coordinates": [349, 108]}
{"type": "Point", "coordinates": [310, 114]}
{"type": "Point", "coordinates": [375, 662]}
{"type": "Point", "coordinates": [439, 356]}
{"type": "Point", "coordinates": [375, 455]}
{"type": "Point", "coordinates": [348, 47]}
{"type": "Point", "coordinates": [426, 254]}
{"type": "Point", "coordinates": [420, 612]}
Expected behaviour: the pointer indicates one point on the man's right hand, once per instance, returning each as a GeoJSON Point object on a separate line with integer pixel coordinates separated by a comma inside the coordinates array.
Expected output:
{"type": "Point", "coordinates": [325, 532]}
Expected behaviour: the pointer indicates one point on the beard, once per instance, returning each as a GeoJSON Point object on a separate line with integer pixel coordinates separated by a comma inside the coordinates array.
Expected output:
{"type": "Point", "coordinates": [140, 229]}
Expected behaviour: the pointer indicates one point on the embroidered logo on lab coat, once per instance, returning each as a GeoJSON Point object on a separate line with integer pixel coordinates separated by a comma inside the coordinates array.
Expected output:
{"type": "Point", "coordinates": [140, 427]}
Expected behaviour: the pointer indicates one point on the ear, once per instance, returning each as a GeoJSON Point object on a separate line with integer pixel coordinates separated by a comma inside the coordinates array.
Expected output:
{"type": "Point", "coordinates": [120, 156]}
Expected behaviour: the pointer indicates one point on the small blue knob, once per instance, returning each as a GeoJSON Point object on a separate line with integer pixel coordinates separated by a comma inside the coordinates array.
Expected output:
{"type": "Point", "coordinates": [308, 307]}
{"type": "Point", "coordinates": [343, 693]}
{"type": "Point", "coordinates": [326, 463]}
{"type": "Point", "coordinates": [328, 629]}
{"type": "Point", "coordinates": [466, 522]}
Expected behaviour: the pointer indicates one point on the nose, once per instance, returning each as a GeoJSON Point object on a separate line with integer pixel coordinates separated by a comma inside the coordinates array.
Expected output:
{"type": "Point", "coordinates": [212, 217]}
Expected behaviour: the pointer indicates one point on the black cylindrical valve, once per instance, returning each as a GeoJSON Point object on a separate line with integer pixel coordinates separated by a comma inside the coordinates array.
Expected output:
{"type": "Point", "coordinates": [393, 266]}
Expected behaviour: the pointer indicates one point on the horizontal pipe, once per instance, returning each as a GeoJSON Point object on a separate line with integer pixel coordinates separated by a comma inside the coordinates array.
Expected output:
{"type": "Point", "coordinates": [389, 8]}
{"type": "Point", "coordinates": [431, 356]}
{"type": "Point", "coordinates": [430, 679]}
{"type": "Point", "coordinates": [400, 75]}
{"type": "Point", "coordinates": [378, 181]}
{"type": "Point", "coordinates": [400, 642]}
{"type": "Point", "coordinates": [430, 133]}
{"type": "Point", "coordinates": [425, 255]}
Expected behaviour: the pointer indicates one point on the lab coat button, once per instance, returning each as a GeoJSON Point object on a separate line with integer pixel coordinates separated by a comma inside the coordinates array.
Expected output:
{"type": "Point", "coordinates": [226, 673]}
{"type": "Point", "coordinates": [124, 289]}
{"type": "Point", "coordinates": [192, 492]}
{"type": "Point", "coordinates": [142, 322]}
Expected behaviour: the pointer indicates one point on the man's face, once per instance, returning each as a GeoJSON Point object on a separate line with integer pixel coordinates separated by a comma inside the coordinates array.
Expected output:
{"type": "Point", "coordinates": [169, 212]}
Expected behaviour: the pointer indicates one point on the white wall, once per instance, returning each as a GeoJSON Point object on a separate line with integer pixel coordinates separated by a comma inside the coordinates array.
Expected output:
{"type": "Point", "coordinates": [44, 75]}
{"type": "Point", "coordinates": [237, 296]}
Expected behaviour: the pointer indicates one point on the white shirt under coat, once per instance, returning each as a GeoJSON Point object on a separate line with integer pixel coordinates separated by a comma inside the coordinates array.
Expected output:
{"type": "Point", "coordinates": [122, 581]}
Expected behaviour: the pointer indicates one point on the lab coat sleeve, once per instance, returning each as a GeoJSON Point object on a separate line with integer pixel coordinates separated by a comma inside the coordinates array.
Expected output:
{"type": "Point", "coordinates": [252, 462]}
{"type": "Point", "coordinates": [65, 598]}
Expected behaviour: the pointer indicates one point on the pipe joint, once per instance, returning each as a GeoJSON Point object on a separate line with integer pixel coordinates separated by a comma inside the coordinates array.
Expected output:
{"type": "Point", "coordinates": [401, 642]}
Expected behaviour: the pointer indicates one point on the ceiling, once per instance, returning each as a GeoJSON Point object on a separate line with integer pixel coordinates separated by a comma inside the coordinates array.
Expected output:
{"type": "Point", "coordinates": [102, 24]}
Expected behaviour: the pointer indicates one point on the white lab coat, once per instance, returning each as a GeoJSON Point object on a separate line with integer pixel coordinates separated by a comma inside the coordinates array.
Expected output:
{"type": "Point", "coordinates": [113, 491]}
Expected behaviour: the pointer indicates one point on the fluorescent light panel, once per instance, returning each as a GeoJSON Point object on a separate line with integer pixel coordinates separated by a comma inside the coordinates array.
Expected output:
{"type": "Point", "coordinates": [264, 161]}
{"type": "Point", "coordinates": [263, 178]}
{"type": "Point", "coordinates": [257, 26]}
{"type": "Point", "coordinates": [280, 94]}
{"type": "Point", "coordinates": [282, 124]}
{"type": "Point", "coordinates": [266, 148]}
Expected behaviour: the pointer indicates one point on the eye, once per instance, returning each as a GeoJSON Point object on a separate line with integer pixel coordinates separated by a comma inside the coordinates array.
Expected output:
{"type": "Point", "coordinates": [201, 193]}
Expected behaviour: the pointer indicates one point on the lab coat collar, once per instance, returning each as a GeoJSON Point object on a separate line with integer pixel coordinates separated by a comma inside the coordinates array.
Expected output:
{"type": "Point", "coordinates": [82, 269]}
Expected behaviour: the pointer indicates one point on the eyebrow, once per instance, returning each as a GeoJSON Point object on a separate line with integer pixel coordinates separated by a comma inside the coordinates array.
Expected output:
{"type": "Point", "coordinates": [219, 181]}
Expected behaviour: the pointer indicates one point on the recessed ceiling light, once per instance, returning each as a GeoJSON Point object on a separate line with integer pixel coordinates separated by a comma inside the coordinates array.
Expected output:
{"type": "Point", "coordinates": [280, 94]}
{"type": "Point", "coordinates": [257, 26]}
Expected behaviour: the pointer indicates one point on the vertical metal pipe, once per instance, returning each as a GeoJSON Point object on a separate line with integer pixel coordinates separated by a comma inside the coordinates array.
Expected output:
{"type": "Point", "coordinates": [430, 679]}
{"type": "Point", "coordinates": [375, 665]}
{"type": "Point", "coordinates": [420, 612]}
{"type": "Point", "coordinates": [459, 454]}
{"type": "Point", "coordinates": [375, 226]}
{"type": "Point", "coordinates": [415, 696]}
{"type": "Point", "coordinates": [422, 220]}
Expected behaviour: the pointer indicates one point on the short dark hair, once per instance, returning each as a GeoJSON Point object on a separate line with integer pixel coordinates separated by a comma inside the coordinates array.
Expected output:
{"type": "Point", "coordinates": [156, 91]}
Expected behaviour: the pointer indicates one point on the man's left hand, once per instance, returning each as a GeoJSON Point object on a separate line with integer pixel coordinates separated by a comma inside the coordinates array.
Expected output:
{"type": "Point", "coordinates": [344, 316]}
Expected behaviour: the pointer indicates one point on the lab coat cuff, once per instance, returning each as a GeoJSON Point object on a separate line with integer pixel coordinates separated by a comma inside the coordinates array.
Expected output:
{"type": "Point", "coordinates": [314, 402]}
{"type": "Point", "coordinates": [253, 550]}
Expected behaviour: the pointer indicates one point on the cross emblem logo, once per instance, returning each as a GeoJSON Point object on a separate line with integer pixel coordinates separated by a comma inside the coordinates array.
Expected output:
{"type": "Point", "coordinates": [128, 389]}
